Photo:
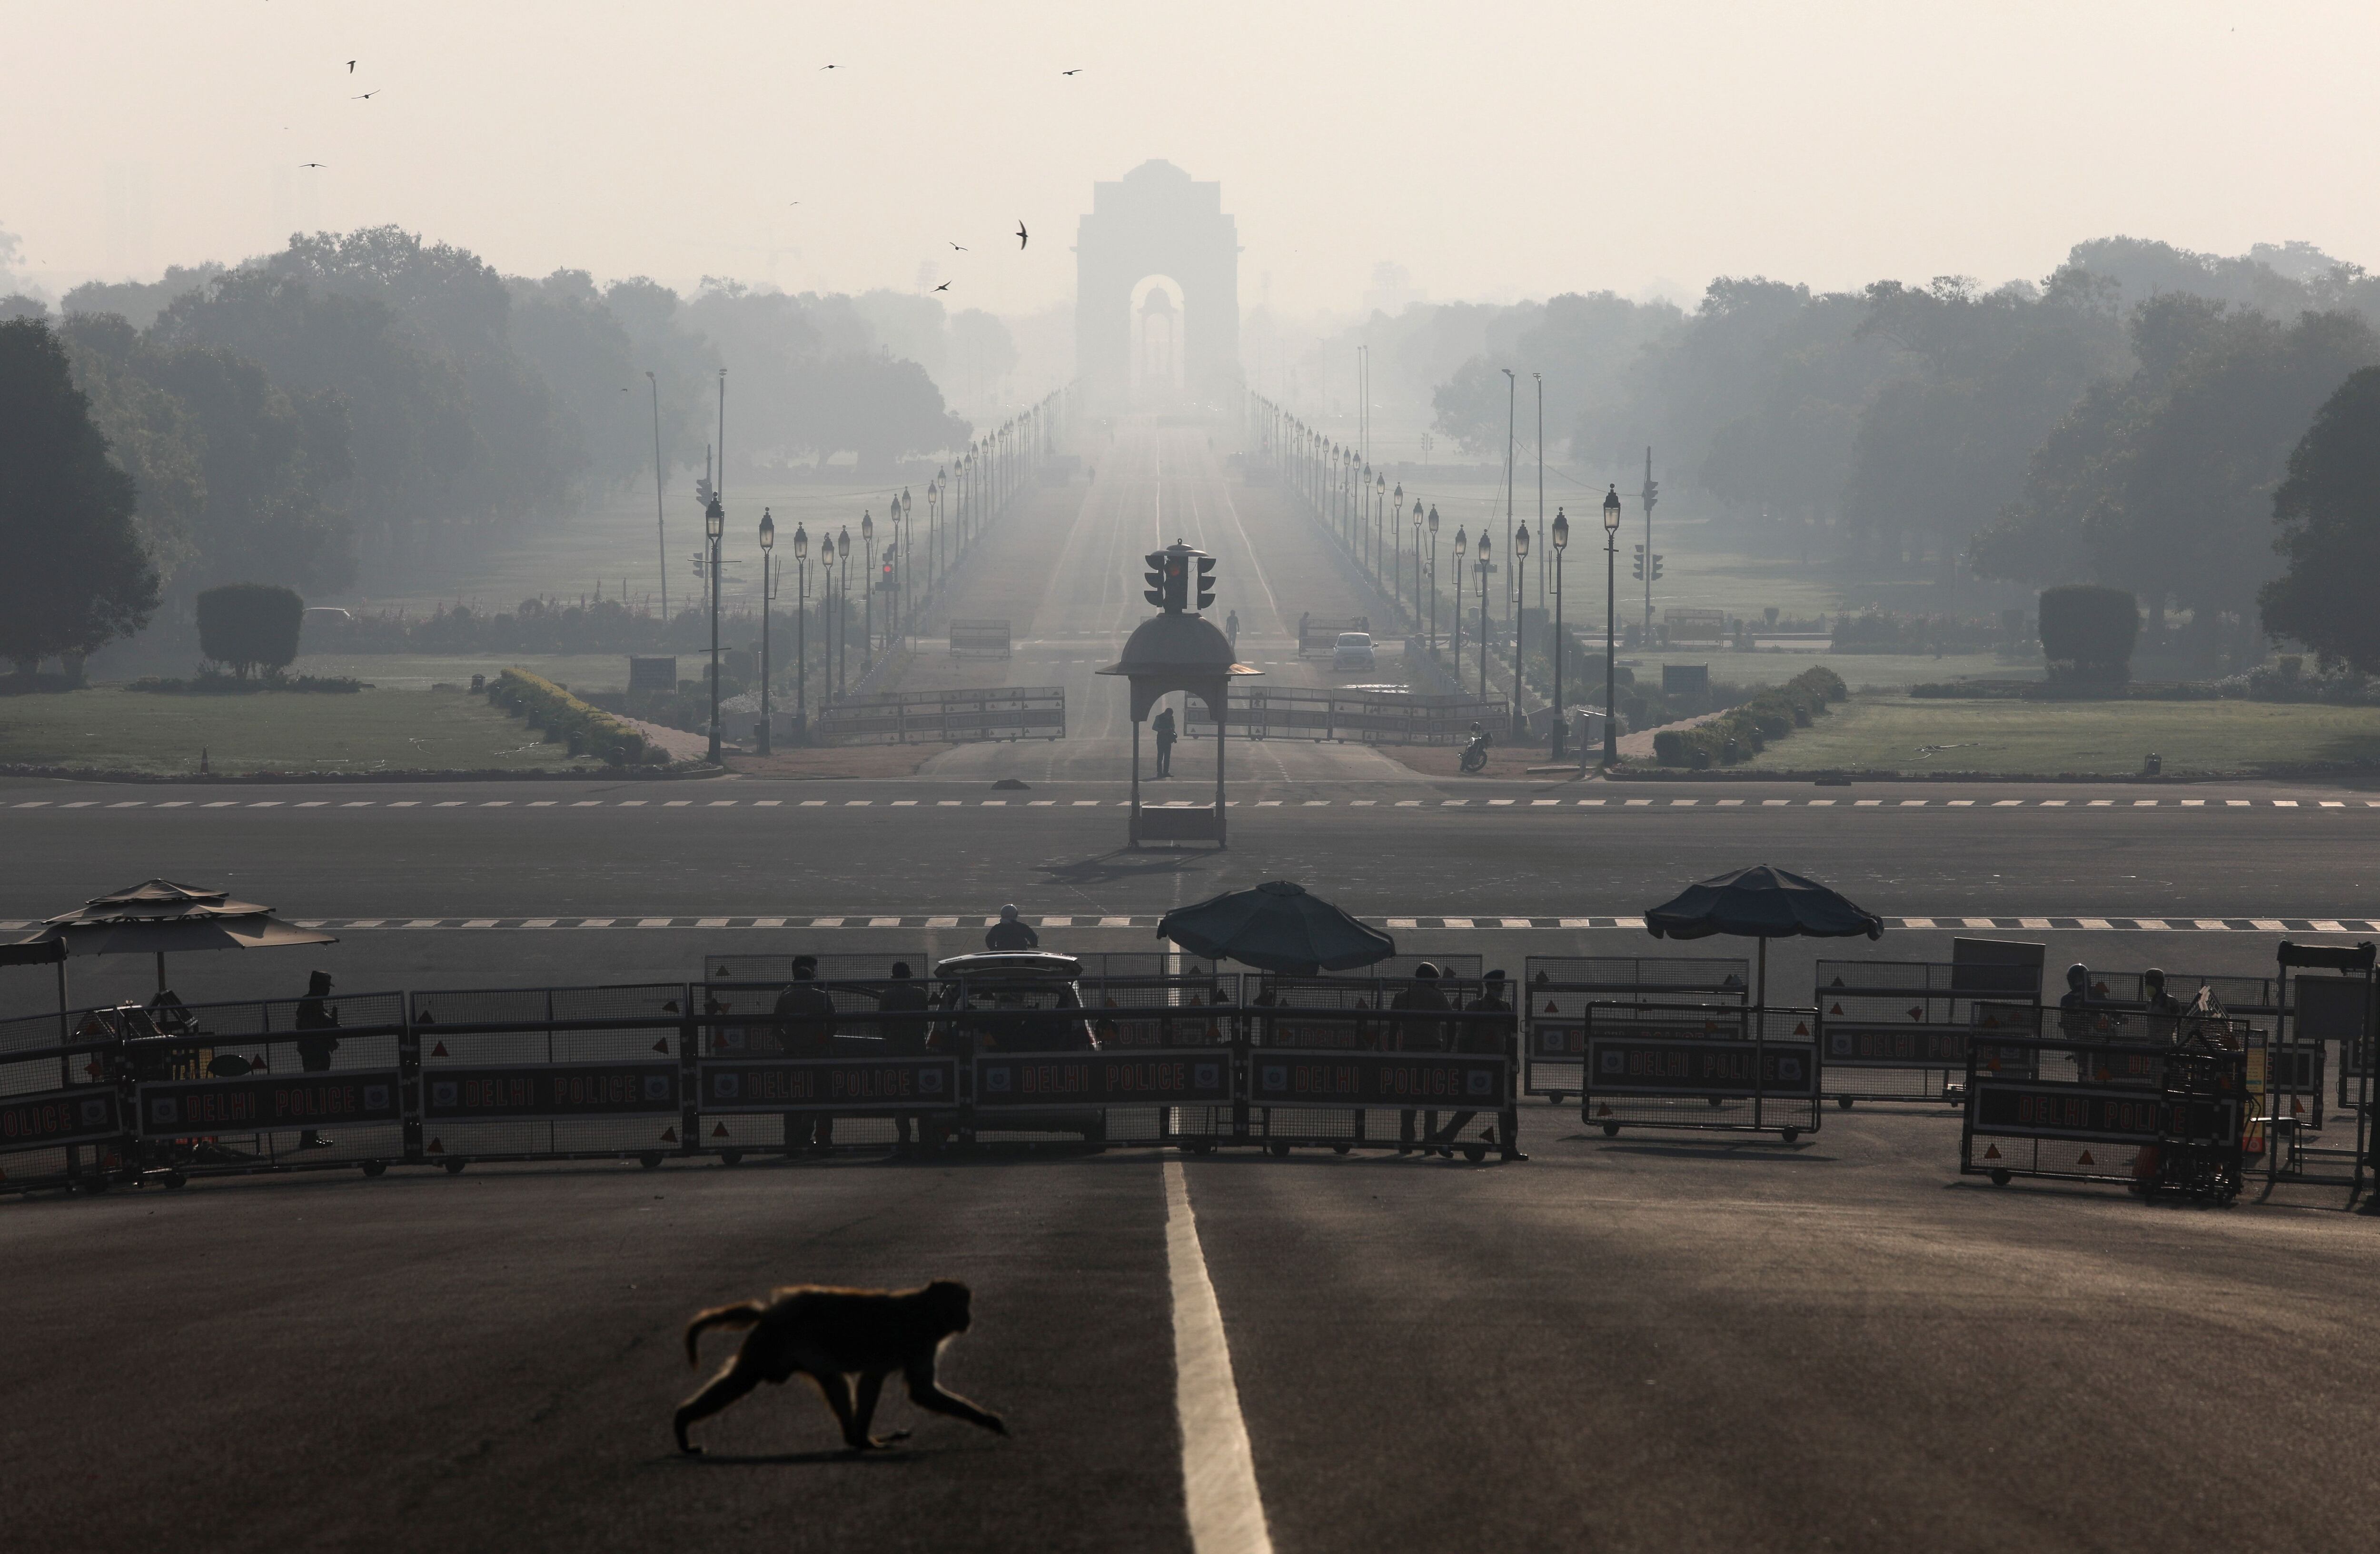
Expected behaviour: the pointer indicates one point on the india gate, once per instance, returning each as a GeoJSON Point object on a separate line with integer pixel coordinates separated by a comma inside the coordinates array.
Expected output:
{"type": "Point", "coordinates": [1156, 293]}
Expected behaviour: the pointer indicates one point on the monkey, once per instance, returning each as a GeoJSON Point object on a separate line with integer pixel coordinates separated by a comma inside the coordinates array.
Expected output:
{"type": "Point", "coordinates": [830, 1335]}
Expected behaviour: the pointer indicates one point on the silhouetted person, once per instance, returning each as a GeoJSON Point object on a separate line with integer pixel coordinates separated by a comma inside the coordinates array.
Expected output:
{"type": "Point", "coordinates": [1418, 1035]}
{"type": "Point", "coordinates": [314, 1049]}
{"type": "Point", "coordinates": [904, 1003]}
{"type": "Point", "coordinates": [806, 1029]}
{"type": "Point", "coordinates": [1483, 1037]}
{"type": "Point", "coordinates": [1162, 726]}
{"type": "Point", "coordinates": [1011, 932]}
{"type": "Point", "coordinates": [1231, 630]}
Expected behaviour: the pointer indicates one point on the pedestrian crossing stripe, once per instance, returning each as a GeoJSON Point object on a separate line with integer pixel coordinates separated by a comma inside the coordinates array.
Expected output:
{"type": "Point", "coordinates": [1600, 806]}
{"type": "Point", "coordinates": [2036, 922]}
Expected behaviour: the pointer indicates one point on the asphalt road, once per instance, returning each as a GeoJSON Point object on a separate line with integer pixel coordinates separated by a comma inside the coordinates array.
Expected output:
{"type": "Point", "coordinates": [1657, 1341]}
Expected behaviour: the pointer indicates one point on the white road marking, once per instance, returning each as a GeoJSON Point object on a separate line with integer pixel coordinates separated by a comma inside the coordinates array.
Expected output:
{"type": "Point", "coordinates": [1218, 1471]}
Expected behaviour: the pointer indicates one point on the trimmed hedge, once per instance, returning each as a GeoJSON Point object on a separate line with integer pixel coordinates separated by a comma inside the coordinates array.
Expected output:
{"type": "Point", "coordinates": [250, 626]}
{"type": "Point", "coordinates": [2087, 632]}
{"type": "Point", "coordinates": [1741, 732]}
{"type": "Point", "coordinates": [564, 719]}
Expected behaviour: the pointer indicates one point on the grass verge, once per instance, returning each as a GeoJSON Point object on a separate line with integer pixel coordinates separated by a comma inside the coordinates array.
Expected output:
{"type": "Point", "coordinates": [2101, 738]}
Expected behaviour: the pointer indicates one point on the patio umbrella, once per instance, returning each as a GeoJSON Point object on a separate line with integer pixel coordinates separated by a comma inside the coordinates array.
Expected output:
{"type": "Point", "coordinates": [1764, 904]}
{"type": "Point", "coordinates": [158, 917]}
{"type": "Point", "coordinates": [1276, 927]}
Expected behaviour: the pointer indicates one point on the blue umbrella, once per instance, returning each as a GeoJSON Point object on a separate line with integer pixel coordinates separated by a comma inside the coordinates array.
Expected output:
{"type": "Point", "coordinates": [1764, 904]}
{"type": "Point", "coordinates": [1276, 927]}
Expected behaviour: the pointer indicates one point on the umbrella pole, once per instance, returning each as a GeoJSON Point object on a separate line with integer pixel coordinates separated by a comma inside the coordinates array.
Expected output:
{"type": "Point", "coordinates": [161, 971]}
{"type": "Point", "coordinates": [1764, 975]}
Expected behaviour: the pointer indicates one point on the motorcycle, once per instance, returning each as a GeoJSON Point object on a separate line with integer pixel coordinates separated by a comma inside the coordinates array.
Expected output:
{"type": "Point", "coordinates": [1475, 755]}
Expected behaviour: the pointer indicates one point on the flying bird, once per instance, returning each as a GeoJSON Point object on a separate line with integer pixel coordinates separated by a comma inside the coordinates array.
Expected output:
{"type": "Point", "coordinates": [1020, 232]}
{"type": "Point", "coordinates": [351, 67]}
{"type": "Point", "coordinates": [944, 286]}
{"type": "Point", "coordinates": [313, 164]}
{"type": "Point", "coordinates": [1076, 71]}
{"type": "Point", "coordinates": [961, 247]}
{"type": "Point", "coordinates": [826, 66]}
{"type": "Point", "coordinates": [366, 96]}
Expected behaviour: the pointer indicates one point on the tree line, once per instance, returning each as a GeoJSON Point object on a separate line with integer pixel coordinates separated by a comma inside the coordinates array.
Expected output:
{"type": "Point", "coordinates": [355, 402]}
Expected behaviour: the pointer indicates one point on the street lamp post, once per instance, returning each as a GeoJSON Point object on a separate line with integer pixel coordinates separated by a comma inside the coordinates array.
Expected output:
{"type": "Point", "coordinates": [868, 593]}
{"type": "Point", "coordinates": [768, 597]}
{"type": "Point", "coordinates": [1560, 647]}
{"type": "Point", "coordinates": [933, 530]}
{"type": "Point", "coordinates": [842, 611]}
{"type": "Point", "coordinates": [1433, 576]}
{"type": "Point", "coordinates": [1416, 528]}
{"type": "Point", "coordinates": [1610, 608]}
{"type": "Point", "coordinates": [908, 530]}
{"type": "Point", "coordinates": [1520, 661]}
{"type": "Point", "coordinates": [801, 631]}
{"type": "Point", "coordinates": [1485, 566]}
{"type": "Point", "coordinates": [826, 607]}
{"type": "Point", "coordinates": [1462, 546]}
{"type": "Point", "coordinates": [1397, 546]}
{"type": "Point", "coordinates": [714, 522]}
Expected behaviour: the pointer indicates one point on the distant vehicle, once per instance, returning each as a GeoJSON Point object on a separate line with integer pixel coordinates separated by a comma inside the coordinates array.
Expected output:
{"type": "Point", "coordinates": [1013, 984]}
{"type": "Point", "coordinates": [1353, 652]}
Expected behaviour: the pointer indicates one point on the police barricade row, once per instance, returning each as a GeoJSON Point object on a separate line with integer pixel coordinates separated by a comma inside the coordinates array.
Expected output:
{"type": "Point", "coordinates": [61, 1121]}
{"type": "Point", "coordinates": [2056, 1114]}
{"type": "Point", "coordinates": [1403, 1063]}
{"type": "Point", "coordinates": [1707, 1067]}
{"type": "Point", "coordinates": [1897, 1030]}
{"type": "Point", "coordinates": [550, 1072]}
{"type": "Point", "coordinates": [2326, 1012]}
{"type": "Point", "coordinates": [1559, 988]}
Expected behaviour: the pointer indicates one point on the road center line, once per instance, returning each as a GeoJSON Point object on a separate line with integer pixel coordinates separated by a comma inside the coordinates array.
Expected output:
{"type": "Point", "coordinates": [1218, 1474]}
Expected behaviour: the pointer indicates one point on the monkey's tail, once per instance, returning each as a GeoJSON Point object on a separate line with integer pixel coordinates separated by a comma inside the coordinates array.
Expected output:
{"type": "Point", "coordinates": [743, 1314]}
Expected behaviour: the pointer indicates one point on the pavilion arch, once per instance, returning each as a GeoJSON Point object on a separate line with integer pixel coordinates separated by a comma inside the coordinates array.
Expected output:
{"type": "Point", "coordinates": [1156, 231]}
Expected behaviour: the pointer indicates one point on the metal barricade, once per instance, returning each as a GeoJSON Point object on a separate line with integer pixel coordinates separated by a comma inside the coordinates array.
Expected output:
{"type": "Point", "coordinates": [1705, 1067]}
{"type": "Point", "coordinates": [62, 1120]}
{"type": "Point", "coordinates": [2053, 1107]}
{"type": "Point", "coordinates": [1328, 1058]}
{"type": "Point", "coordinates": [1898, 1031]}
{"type": "Point", "coordinates": [2321, 1020]}
{"type": "Point", "coordinates": [521, 1073]}
{"type": "Point", "coordinates": [1561, 987]}
{"type": "Point", "coordinates": [220, 1089]}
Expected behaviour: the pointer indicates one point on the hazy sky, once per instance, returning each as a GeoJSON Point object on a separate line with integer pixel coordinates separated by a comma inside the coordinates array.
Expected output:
{"type": "Point", "coordinates": [1504, 150]}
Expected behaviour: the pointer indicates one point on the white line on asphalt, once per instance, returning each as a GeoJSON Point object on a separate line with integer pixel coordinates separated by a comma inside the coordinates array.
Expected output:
{"type": "Point", "coordinates": [1219, 1471]}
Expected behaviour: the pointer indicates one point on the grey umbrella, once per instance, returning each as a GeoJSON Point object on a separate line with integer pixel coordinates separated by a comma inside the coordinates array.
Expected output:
{"type": "Point", "coordinates": [1276, 927]}
{"type": "Point", "coordinates": [1764, 904]}
{"type": "Point", "coordinates": [157, 917]}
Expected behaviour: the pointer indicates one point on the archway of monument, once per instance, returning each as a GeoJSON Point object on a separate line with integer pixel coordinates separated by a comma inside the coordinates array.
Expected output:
{"type": "Point", "coordinates": [1158, 377]}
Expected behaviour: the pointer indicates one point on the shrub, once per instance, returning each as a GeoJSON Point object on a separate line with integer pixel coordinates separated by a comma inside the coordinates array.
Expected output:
{"type": "Point", "coordinates": [250, 626]}
{"type": "Point", "coordinates": [2087, 632]}
{"type": "Point", "coordinates": [1742, 732]}
{"type": "Point", "coordinates": [564, 719]}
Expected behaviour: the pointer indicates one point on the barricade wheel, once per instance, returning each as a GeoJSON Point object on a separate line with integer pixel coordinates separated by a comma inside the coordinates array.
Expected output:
{"type": "Point", "coordinates": [650, 1159]}
{"type": "Point", "coordinates": [1792, 1134]}
{"type": "Point", "coordinates": [1554, 1100]}
{"type": "Point", "coordinates": [1342, 1149]}
{"type": "Point", "coordinates": [1278, 1152]}
{"type": "Point", "coordinates": [1611, 1130]}
{"type": "Point", "coordinates": [1844, 1101]}
{"type": "Point", "coordinates": [176, 1179]}
{"type": "Point", "coordinates": [455, 1168]}
{"type": "Point", "coordinates": [2001, 1178]}
{"type": "Point", "coordinates": [1475, 1153]}
{"type": "Point", "coordinates": [376, 1168]}
{"type": "Point", "coordinates": [1715, 1100]}
{"type": "Point", "coordinates": [731, 1156]}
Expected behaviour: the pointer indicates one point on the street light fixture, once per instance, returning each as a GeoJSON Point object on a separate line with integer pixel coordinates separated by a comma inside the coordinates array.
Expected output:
{"type": "Point", "coordinates": [1561, 646]}
{"type": "Point", "coordinates": [842, 610]}
{"type": "Point", "coordinates": [1416, 528]}
{"type": "Point", "coordinates": [767, 596]}
{"type": "Point", "coordinates": [1433, 576]}
{"type": "Point", "coordinates": [715, 523]}
{"type": "Point", "coordinates": [801, 632]}
{"type": "Point", "coordinates": [1519, 598]}
{"type": "Point", "coordinates": [933, 530]}
{"type": "Point", "coordinates": [907, 506]}
{"type": "Point", "coordinates": [826, 606]}
{"type": "Point", "coordinates": [867, 593]}
{"type": "Point", "coordinates": [1610, 608]}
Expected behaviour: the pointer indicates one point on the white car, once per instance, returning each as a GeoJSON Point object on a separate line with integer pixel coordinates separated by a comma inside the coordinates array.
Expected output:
{"type": "Point", "coordinates": [1351, 652]}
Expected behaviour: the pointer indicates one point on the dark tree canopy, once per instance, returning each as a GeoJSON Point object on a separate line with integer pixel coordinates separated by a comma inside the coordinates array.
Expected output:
{"type": "Point", "coordinates": [250, 626]}
{"type": "Point", "coordinates": [2329, 508]}
{"type": "Point", "coordinates": [72, 571]}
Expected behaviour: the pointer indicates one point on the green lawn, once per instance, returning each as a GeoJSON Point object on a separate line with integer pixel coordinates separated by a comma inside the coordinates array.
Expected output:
{"type": "Point", "coordinates": [1890, 733]}
{"type": "Point", "coordinates": [419, 672]}
{"type": "Point", "coordinates": [115, 729]}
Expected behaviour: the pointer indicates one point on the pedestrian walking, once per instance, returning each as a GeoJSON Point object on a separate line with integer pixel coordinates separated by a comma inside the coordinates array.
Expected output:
{"type": "Point", "coordinates": [806, 1029]}
{"type": "Point", "coordinates": [313, 1020]}
{"type": "Point", "coordinates": [1232, 631]}
{"type": "Point", "coordinates": [1011, 932]}
{"type": "Point", "coordinates": [1484, 1037]}
{"type": "Point", "coordinates": [1419, 1035]}
{"type": "Point", "coordinates": [1163, 728]}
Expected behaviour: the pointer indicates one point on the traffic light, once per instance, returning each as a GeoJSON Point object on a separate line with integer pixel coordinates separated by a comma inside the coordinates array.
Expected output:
{"type": "Point", "coordinates": [1657, 567]}
{"type": "Point", "coordinates": [1155, 592]}
{"type": "Point", "coordinates": [1639, 571]}
{"type": "Point", "coordinates": [1652, 493]}
{"type": "Point", "coordinates": [1205, 581]}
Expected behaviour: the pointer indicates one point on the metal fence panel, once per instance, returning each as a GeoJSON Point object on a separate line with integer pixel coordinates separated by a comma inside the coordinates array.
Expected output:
{"type": "Point", "coordinates": [1369, 717]}
{"type": "Point", "coordinates": [1704, 1067]}
{"type": "Point", "coordinates": [2074, 1110]}
{"type": "Point", "coordinates": [1561, 987]}
{"type": "Point", "coordinates": [962, 716]}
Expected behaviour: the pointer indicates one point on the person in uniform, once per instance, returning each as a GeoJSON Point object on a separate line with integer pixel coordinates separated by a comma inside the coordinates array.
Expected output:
{"type": "Point", "coordinates": [315, 1020]}
{"type": "Point", "coordinates": [1011, 932]}
{"type": "Point", "coordinates": [1419, 1035]}
{"type": "Point", "coordinates": [806, 1029]}
{"type": "Point", "coordinates": [1479, 1036]}
{"type": "Point", "coordinates": [902, 1001]}
{"type": "Point", "coordinates": [1162, 726]}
